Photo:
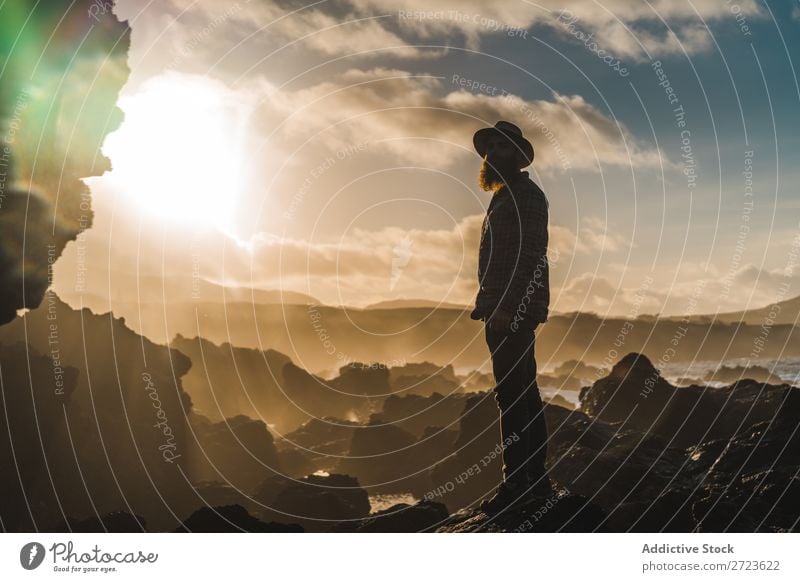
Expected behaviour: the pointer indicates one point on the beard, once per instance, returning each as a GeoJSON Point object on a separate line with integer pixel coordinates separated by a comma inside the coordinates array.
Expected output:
{"type": "Point", "coordinates": [495, 173]}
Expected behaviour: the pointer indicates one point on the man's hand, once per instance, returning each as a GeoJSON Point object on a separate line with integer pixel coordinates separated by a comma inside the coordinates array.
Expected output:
{"type": "Point", "coordinates": [500, 321]}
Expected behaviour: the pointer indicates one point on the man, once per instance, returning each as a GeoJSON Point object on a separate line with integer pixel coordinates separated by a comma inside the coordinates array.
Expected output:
{"type": "Point", "coordinates": [513, 299]}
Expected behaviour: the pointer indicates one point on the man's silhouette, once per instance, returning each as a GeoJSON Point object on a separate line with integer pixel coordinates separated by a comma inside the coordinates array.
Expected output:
{"type": "Point", "coordinates": [514, 298]}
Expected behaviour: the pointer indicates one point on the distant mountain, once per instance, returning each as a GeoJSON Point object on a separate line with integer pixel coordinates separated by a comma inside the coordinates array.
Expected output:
{"type": "Point", "coordinates": [153, 291]}
{"type": "Point", "coordinates": [247, 294]}
{"type": "Point", "coordinates": [320, 338]}
{"type": "Point", "coordinates": [415, 303]}
{"type": "Point", "coordinates": [788, 313]}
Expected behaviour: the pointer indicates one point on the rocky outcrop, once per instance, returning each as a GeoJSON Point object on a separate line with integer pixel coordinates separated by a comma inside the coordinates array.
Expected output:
{"type": "Point", "coordinates": [559, 512]}
{"type": "Point", "coordinates": [239, 451]}
{"type": "Point", "coordinates": [317, 502]}
{"type": "Point", "coordinates": [119, 435]}
{"type": "Point", "coordinates": [317, 445]}
{"type": "Point", "coordinates": [421, 517]}
{"type": "Point", "coordinates": [382, 457]}
{"type": "Point", "coordinates": [231, 519]}
{"type": "Point", "coordinates": [558, 400]}
{"type": "Point", "coordinates": [115, 522]}
{"type": "Point", "coordinates": [739, 470]}
{"type": "Point", "coordinates": [737, 373]}
{"type": "Point", "coordinates": [35, 391]}
{"type": "Point", "coordinates": [415, 413]}
{"type": "Point", "coordinates": [58, 87]}
{"type": "Point", "coordinates": [424, 379]}
{"type": "Point", "coordinates": [754, 483]}
{"type": "Point", "coordinates": [636, 395]}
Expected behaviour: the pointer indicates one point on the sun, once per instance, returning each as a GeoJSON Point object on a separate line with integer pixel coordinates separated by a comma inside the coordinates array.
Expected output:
{"type": "Point", "coordinates": [181, 152]}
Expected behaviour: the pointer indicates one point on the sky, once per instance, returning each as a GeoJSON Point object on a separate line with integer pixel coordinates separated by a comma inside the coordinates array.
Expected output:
{"type": "Point", "coordinates": [325, 148]}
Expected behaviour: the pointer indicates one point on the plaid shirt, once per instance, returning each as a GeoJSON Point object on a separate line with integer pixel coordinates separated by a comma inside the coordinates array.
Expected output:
{"type": "Point", "coordinates": [513, 272]}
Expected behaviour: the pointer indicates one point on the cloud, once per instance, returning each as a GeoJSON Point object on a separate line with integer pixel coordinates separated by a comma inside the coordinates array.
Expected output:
{"type": "Point", "coordinates": [326, 29]}
{"type": "Point", "coordinates": [429, 121]}
{"type": "Point", "coordinates": [629, 29]}
{"type": "Point", "coordinates": [358, 268]}
{"type": "Point", "coordinates": [375, 29]}
{"type": "Point", "coordinates": [698, 289]}
{"type": "Point", "coordinates": [362, 267]}
{"type": "Point", "coordinates": [595, 237]}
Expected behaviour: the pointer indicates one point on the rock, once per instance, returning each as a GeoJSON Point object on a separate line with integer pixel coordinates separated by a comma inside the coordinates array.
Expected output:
{"type": "Point", "coordinates": [637, 395]}
{"type": "Point", "coordinates": [737, 373]}
{"type": "Point", "coordinates": [362, 379]}
{"type": "Point", "coordinates": [211, 494]}
{"type": "Point", "coordinates": [231, 380]}
{"type": "Point", "coordinates": [558, 382]}
{"type": "Point", "coordinates": [265, 494]}
{"type": "Point", "coordinates": [415, 413]}
{"type": "Point", "coordinates": [579, 370]}
{"type": "Point", "coordinates": [474, 467]}
{"type": "Point", "coordinates": [753, 485]}
{"type": "Point", "coordinates": [560, 512]}
{"type": "Point", "coordinates": [318, 502]}
{"type": "Point", "coordinates": [425, 385]}
{"type": "Point", "coordinates": [115, 522]}
{"type": "Point", "coordinates": [423, 516]}
{"type": "Point", "coordinates": [32, 434]}
{"type": "Point", "coordinates": [44, 201]}
{"type": "Point", "coordinates": [590, 458]}
{"type": "Point", "coordinates": [606, 463]}
{"type": "Point", "coordinates": [476, 381]}
{"type": "Point", "coordinates": [296, 462]}
{"type": "Point", "coordinates": [382, 457]}
{"type": "Point", "coordinates": [558, 400]}
{"type": "Point", "coordinates": [321, 441]}
{"type": "Point", "coordinates": [238, 450]}
{"type": "Point", "coordinates": [231, 519]}
{"type": "Point", "coordinates": [422, 369]}
{"type": "Point", "coordinates": [121, 441]}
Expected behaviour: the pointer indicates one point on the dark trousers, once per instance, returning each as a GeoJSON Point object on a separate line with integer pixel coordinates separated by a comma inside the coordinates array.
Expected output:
{"type": "Point", "coordinates": [522, 423]}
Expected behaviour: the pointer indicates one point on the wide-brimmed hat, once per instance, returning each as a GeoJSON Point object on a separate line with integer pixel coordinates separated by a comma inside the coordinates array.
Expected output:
{"type": "Point", "coordinates": [508, 131]}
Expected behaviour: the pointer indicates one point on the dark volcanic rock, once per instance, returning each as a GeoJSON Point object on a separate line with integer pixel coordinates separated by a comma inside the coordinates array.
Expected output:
{"type": "Point", "coordinates": [320, 441]}
{"type": "Point", "coordinates": [35, 390]}
{"type": "Point", "coordinates": [327, 435]}
{"type": "Point", "coordinates": [474, 468]}
{"type": "Point", "coordinates": [558, 400]}
{"type": "Point", "coordinates": [212, 494]}
{"type": "Point", "coordinates": [382, 457]}
{"type": "Point", "coordinates": [753, 485]}
{"type": "Point", "coordinates": [737, 373]}
{"type": "Point", "coordinates": [231, 519]}
{"type": "Point", "coordinates": [608, 464]}
{"type": "Point", "coordinates": [600, 461]}
{"type": "Point", "coordinates": [415, 413]}
{"type": "Point", "coordinates": [442, 382]}
{"type": "Point", "coordinates": [318, 502]}
{"type": "Point", "coordinates": [423, 516]}
{"type": "Point", "coordinates": [387, 459]}
{"type": "Point", "coordinates": [560, 512]}
{"type": "Point", "coordinates": [265, 494]}
{"type": "Point", "coordinates": [238, 450]}
{"type": "Point", "coordinates": [296, 463]}
{"type": "Point", "coordinates": [44, 202]}
{"type": "Point", "coordinates": [636, 394]}
{"type": "Point", "coordinates": [116, 522]}
{"type": "Point", "coordinates": [121, 441]}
